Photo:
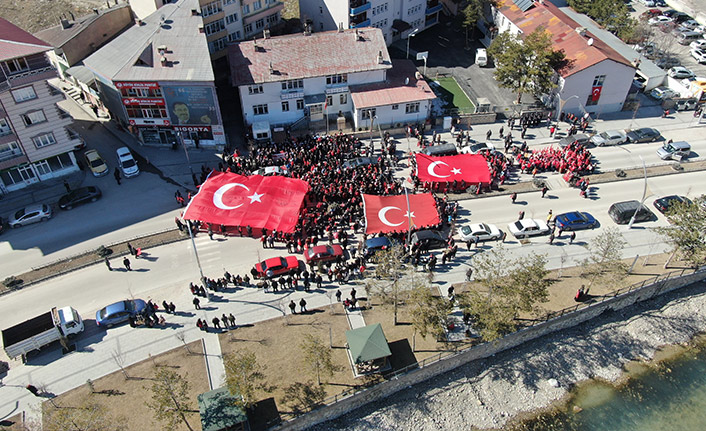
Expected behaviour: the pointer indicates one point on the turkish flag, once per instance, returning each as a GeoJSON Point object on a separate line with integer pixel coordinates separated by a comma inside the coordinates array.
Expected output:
{"type": "Point", "coordinates": [390, 213]}
{"type": "Point", "coordinates": [471, 168]}
{"type": "Point", "coordinates": [596, 93]}
{"type": "Point", "coordinates": [261, 202]}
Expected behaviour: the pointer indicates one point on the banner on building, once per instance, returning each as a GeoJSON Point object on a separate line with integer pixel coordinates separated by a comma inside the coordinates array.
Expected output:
{"type": "Point", "coordinates": [191, 105]}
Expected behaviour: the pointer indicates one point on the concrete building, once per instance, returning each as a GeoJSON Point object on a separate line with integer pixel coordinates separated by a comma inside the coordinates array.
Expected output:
{"type": "Point", "coordinates": [36, 142]}
{"type": "Point", "coordinates": [396, 19]}
{"type": "Point", "coordinates": [596, 78]}
{"type": "Point", "coordinates": [284, 81]}
{"type": "Point", "coordinates": [225, 21]}
{"type": "Point", "coordinates": [156, 78]}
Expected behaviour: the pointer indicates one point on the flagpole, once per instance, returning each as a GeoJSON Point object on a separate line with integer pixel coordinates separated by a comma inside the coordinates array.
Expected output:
{"type": "Point", "coordinates": [326, 116]}
{"type": "Point", "coordinates": [198, 261]}
{"type": "Point", "coordinates": [409, 218]}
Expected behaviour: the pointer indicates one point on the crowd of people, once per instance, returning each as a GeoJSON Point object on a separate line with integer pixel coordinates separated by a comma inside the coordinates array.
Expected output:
{"type": "Point", "coordinates": [573, 158]}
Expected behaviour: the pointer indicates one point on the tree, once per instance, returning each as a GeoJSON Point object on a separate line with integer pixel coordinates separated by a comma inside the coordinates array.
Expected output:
{"type": "Point", "coordinates": [430, 313]}
{"type": "Point", "coordinates": [526, 65]}
{"type": "Point", "coordinates": [317, 356]}
{"type": "Point", "coordinates": [170, 398]}
{"type": "Point", "coordinates": [301, 397]}
{"type": "Point", "coordinates": [609, 14]}
{"type": "Point", "coordinates": [245, 377]}
{"type": "Point", "coordinates": [471, 14]}
{"type": "Point", "coordinates": [605, 258]}
{"type": "Point", "coordinates": [87, 416]}
{"type": "Point", "coordinates": [687, 232]}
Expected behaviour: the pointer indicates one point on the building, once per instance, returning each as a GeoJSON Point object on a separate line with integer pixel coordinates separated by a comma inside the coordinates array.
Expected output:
{"type": "Point", "coordinates": [596, 79]}
{"type": "Point", "coordinates": [225, 21]}
{"type": "Point", "coordinates": [36, 142]}
{"type": "Point", "coordinates": [395, 19]}
{"type": "Point", "coordinates": [156, 78]}
{"type": "Point", "coordinates": [307, 77]}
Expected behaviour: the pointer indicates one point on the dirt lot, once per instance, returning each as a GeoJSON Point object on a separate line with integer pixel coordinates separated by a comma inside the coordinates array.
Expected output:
{"type": "Point", "coordinates": [127, 398]}
{"type": "Point", "coordinates": [35, 15]}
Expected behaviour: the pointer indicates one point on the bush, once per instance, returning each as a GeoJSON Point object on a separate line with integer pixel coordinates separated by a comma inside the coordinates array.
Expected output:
{"type": "Point", "coordinates": [12, 282]}
{"type": "Point", "coordinates": [620, 173]}
{"type": "Point", "coordinates": [538, 183]}
{"type": "Point", "coordinates": [103, 251]}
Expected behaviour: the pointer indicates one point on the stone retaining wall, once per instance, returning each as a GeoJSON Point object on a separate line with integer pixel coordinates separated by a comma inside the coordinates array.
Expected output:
{"type": "Point", "coordinates": [485, 350]}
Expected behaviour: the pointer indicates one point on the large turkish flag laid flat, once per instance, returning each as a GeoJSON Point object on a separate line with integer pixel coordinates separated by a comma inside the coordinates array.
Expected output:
{"type": "Point", "coordinates": [471, 168]}
{"type": "Point", "coordinates": [261, 202]}
{"type": "Point", "coordinates": [389, 213]}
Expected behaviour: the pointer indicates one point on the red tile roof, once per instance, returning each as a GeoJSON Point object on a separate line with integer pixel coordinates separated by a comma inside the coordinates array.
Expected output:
{"type": "Point", "coordinates": [15, 42]}
{"type": "Point", "coordinates": [298, 56]}
{"type": "Point", "coordinates": [393, 91]}
{"type": "Point", "coordinates": [580, 54]}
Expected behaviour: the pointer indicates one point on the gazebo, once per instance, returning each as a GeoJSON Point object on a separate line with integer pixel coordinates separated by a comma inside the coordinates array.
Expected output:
{"type": "Point", "coordinates": [368, 349]}
{"type": "Point", "coordinates": [219, 412]}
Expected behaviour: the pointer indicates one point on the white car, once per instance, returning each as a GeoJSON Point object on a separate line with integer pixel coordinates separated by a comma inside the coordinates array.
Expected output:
{"type": "Point", "coordinates": [610, 137]}
{"type": "Point", "coordinates": [698, 44]}
{"type": "Point", "coordinates": [690, 24]}
{"type": "Point", "coordinates": [680, 72]}
{"type": "Point", "coordinates": [699, 54]}
{"type": "Point", "coordinates": [481, 231]}
{"type": "Point", "coordinates": [127, 163]}
{"type": "Point", "coordinates": [271, 170]}
{"type": "Point", "coordinates": [660, 93]}
{"type": "Point", "coordinates": [528, 227]}
{"type": "Point", "coordinates": [659, 20]}
{"type": "Point", "coordinates": [478, 148]}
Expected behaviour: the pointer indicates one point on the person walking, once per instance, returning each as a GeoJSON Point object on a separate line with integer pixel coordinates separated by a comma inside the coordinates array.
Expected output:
{"type": "Point", "coordinates": [116, 174]}
{"type": "Point", "coordinates": [293, 307]}
{"type": "Point", "coordinates": [572, 237]}
{"type": "Point", "coordinates": [131, 249]}
{"type": "Point", "coordinates": [522, 215]}
{"type": "Point", "coordinates": [33, 389]}
{"type": "Point", "coordinates": [338, 295]}
{"type": "Point", "coordinates": [551, 238]}
{"type": "Point", "coordinates": [172, 308]}
{"type": "Point", "coordinates": [210, 232]}
{"type": "Point", "coordinates": [302, 305]}
{"type": "Point", "coordinates": [126, 263]}
{"type": "Point", "coordinates": [545, 189]}
{"type": "Point", "coordinates": [549, 217]}
{"type": "Point", "coordinates": [504, 236]}
{"type": "Point", "coordinates": [513, 197]}
{"type": "Point", "coordinates": [353, 293]}
{"type": "Point", "coordinates": [216, 323]}
{"type": "Point", "coordinates": [197, 303]}
{"type": "Point", "coordinates": [107, 263]}
{"type": "Point", "coordinates": [552, 129]}
{"type": "Point", "coordinates": [488, 135]}
{"type": "Point", "coordinates": [231, 318]}
{"type": "Point", "coordinates": [224, 319]}
{"type": "Point", "coordinates": [469, 274]}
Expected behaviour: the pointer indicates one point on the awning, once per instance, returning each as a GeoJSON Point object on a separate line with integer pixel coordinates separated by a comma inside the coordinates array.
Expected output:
{"type": "Point", "coordinates": [260, 127]}
{"type": "Point", "coordinates": [400, 25]}
{"type": "Point", "coordinates": [314, 99]}
{"type": "Point", "coordinates": [82, 74]}
{"type": "Point", "coordinates": [367, 343]}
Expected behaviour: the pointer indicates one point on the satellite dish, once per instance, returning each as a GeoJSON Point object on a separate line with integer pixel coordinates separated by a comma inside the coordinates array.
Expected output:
{"type": "Point", "coordinates": [590, 41]}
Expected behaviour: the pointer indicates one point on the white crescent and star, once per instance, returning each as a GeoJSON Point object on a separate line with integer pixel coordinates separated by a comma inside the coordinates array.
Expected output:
{"type": "Point", "coordinates": [382, 214]}
{"type": "Point", "coordinates": [432, 166]}
{"type": "Point", "coordinates": [218, 196]}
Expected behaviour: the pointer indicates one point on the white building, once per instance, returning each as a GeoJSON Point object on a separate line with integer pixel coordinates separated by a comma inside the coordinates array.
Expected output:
{"type": "Point", "coordinates": [596, 79]}
{"type": "Point", "coordinates": [306, 77]}
{"type": "Point", "coordinates": [396, 18]}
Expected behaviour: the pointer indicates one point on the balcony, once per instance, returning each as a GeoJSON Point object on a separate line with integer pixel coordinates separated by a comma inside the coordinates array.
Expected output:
{"type": "Point", "coordinates": [10, 154]}
{"type": "Point", "coordinates": [433, 7]}
{"type": "Point", "coordinates": [358, 7]}
{"type": "Point", "coordinates": [365, 23]}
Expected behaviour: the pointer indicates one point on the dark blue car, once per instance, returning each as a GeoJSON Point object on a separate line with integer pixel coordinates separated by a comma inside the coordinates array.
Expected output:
{"type": "Point", "coordinates": [119, 312]}
{"type": "Point", "coordinates": [575, 221]}
{"type": "Point", "coordinates": [374, 244]}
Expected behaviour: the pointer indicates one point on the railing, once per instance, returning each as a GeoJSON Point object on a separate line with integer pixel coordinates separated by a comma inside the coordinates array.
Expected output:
{"type": "Point", "coordinates": [362, 7]}
{"type": "Point", "coordinates": [7, 155]}
{"type": "Point", "coordinates": [365, 23]}
{"type": "Point", "coordinates": [433, 9]}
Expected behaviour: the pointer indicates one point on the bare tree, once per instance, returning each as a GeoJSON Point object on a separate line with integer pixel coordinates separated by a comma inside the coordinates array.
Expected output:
{"type": "Point", "coordinates": [605, 260]}
{"type": "Point", "coordinates": [119, 359]}
{"type": "Point", "coordinates": [301, 397]}
{"type": "Point", "coordinates": [318, 357]}
{"type": "Point", "coordinates": [170, 398]}
{"type": "Point", "coordinates": [88, 415]}
{"type": "Point", "coordinates": [181, 336]}
{"type": "Point", "coordinates": [245, 377]}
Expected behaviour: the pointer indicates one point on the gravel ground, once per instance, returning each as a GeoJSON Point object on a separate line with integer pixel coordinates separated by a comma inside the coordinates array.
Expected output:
{"type": "Point", "coordinates": [489, 393]}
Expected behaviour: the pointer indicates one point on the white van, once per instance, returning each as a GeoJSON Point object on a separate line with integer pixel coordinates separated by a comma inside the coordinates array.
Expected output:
{"type": "Point", "coordinates": [481, 57]}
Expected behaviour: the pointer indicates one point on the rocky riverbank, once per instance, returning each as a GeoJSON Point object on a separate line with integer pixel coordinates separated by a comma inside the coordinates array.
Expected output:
{"type": "Point", "coordinates": [488, 394]}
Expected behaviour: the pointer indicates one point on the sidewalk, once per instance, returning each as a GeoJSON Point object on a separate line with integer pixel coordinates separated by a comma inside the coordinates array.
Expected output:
{"type": "Point", "coordinates": [43, 192]}
{"type": "Point", "coordinates": [214, 360]}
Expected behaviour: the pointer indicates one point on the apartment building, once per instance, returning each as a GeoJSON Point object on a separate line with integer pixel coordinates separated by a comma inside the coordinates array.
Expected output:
{"type": "Point", "coordinates": [316, 76]}
{"type": "Point", "coordinates": [36, 142]}
{"type": "Point", "coordinates": [225, 21]}
{"type": "Point", "coordinates": [396, 19]}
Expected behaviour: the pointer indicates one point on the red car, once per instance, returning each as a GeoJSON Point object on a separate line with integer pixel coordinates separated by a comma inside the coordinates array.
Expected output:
{"type": "Point", "coordinates": [276, 266]}
{"type": "Point", "coordinates": [322, 253]}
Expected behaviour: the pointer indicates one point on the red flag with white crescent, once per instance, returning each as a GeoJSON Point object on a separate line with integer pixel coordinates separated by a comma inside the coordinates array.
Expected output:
{"type": "Point", "coordinates": [471, 168]}
{"type": "Point", "coordinates": [596, 93]}
{"type": "Point", "coordinates": [391, 213]}
{"type": "Point", "coordinates": [271, 202]}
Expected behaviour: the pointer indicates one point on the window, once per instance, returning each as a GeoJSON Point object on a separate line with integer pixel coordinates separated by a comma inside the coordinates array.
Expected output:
{"type": "Point", "coordinates": [25, 93]}
{"type": "Point", "coordinates": [260, 109]}
{"type": "Point", "coordinates": [4, 127]}
{"type": "Point", "coordinates": [411, 107]}
{"type": "Point", "coordinates": [16, 65]}
{"type": "Point", "coordinates": [321, 26]}
{"type": "Point", "coordinates": [42, 167]}
{"type": "Point", "coordinates": [329, 100]}
{"type": "Point", "coordinates": [33, 117]}
{"type": "Point", "coordinates": [214, 27]}
{"type": "Point", "coordinates": [218, 44]}
{"type": "Point", "coordinates": [230, 19]}
{"type": "Point", "coordinates": [225, 2]}
{"type": "Point", "coordinates": [211, 8]}
{"type": "Point", "coordinates": [246, 9]}
{"type": "Point", "coordinates": [44, 140]}
{"type": "Point", "coordinates": [234, 36]}
{"type": "Point", "coordinates": [248, 28]}
{"type": "Point", "coordinates": [343, 98]}
{"type": "Point", "coordinates": [395, 107]}
{"type": "Point", "coordinates": [590, 101]}
{"type": "Point", "coordinates": [9, 150]}
{"type": "Point", "coordinates": [272, 19]}
{"type": "Point", "coordinates": [255, 89]}
{"type": "Point", "coordinates": [257, 5]}
{"type": "Point", "coordinates": [293, 84]}
{"type": "Point", "coordinates": [368, 113]}
{"type": "Point", "coordinates": [321, 10]}
{"type": "Point", "coordinates": [337, 79]}
{"type": "Point", "coordinates": [300, 104]}
{"type": "Point", "coordinates": [259, 23]}
{"type": "Point", "coordinates": [598, 80]}
{"type": "Point", "coordinates": [285, 106]}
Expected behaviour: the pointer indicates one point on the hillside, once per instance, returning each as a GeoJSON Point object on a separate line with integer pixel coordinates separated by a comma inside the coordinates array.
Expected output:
{"type": "Point", "coordinates": [35, 15]}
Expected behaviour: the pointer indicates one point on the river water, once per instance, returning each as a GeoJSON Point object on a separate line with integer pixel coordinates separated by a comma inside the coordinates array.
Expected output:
{"type": "Point", "coordinates": [668, 396]}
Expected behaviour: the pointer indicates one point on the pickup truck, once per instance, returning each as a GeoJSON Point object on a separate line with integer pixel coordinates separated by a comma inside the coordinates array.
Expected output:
{"type": "Point", "coordinates": [37, 332]}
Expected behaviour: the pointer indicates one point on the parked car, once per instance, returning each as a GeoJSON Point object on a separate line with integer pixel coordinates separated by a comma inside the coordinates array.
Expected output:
{"type": "Point", "coordinates": [674, 150]}
{"type": "Point", "coordinates": [378, 243]}
{"type": "Point", "coordinates": [690, 24]}
{"type": "Point", "coordinates": [650, 13]}
{"type": "Point", "coordinates": [660, 93]}
{"type": "Point", "coordinates": [639, 82]}
{"type": "Point", "coordinates": [644, 134]}
{"type": "Point", "coordinates": [684, 103]}
{"type": "Point", "coordinates": [667, 62]}
{"type": "Point", "coordinates": [609, 137]}
{"type": "Point", "coordinates": [661, 19]}
{"type": "Point", "coordinates": [649, 3]}
{"type": "Point", "coordinates": [698, 44]}
{"type": "Point", "coordinates": [96, 163]}
{"type": "Point", "coordinates": [127, 163]}
{"type": "Point", "coordinates": [664, 203]}
{"type": "Point", "coordinates": [358, 161]}
{"type": "Point", "coordinates": [119, 312]}
{"type": "Point", "coordinates": [79, 196]}
{"type": "Point", "coordinates": [481, 231]}
{"type": "Point", "coordinates": [479, 148]}
{"type": "Point", "coordinates": [275, 266]}
{"type": "Point", "coordinates": [575, 220]}
{"type": "Point", "coordinates": [30, 214]}
{"type": "Point", "coordinates": [481, 57]}
{"type": "Point", "coordinates": [528, 227]}
{"type": "Point", "coordinates": [681, 72]}
{"type": "Point", "coordinates": [622, 212]}
{"type": "Point", "coordinates": [322, 253]}
{"type": "Point", "coordinates": [431, 239]}
{"type": "Point", "coordinates": [272, 170]}
{"type": "Point", "coordinates": [581, 138]}
{"type": "Point", "coordinates": [698, 54]}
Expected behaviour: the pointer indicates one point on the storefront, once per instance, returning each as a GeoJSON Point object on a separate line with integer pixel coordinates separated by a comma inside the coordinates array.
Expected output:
{"type": "Point", "coordinates": [29, 173]}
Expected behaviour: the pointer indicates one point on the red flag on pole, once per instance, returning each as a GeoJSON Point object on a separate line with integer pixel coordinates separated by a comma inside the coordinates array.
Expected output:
{"type": "Point", "coordinates": [261, 202]}
{"type": "Point", "coordinates": [390, 213]}
{"type": "Point", "coordinates": [471, 168]}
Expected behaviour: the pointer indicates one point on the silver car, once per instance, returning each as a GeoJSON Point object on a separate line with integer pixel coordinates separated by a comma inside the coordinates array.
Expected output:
{"type": "Point", "coordinates": [29, 215]}
{"type": "Point", "coordinates": [610, 137]}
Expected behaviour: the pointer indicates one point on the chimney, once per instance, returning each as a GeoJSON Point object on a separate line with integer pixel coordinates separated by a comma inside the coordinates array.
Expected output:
{"type": "Point", "coordinates": [162, 49]}
{"type": "Point", "coordinates": [581, 31]}
{"type": "Point", "coordinates": [64, 24]}
{"type": "Point", "coordinates": [340, 27]}
{"type": "Point", "coordinates": [201, 29]}
{"type": "Point", "coordinates": [380, 58]}
{"type": "Point", "coordinates": [194, 12]}
{"type": "Point", "coordinates": [95, 9]}
{"type": "Point", "coordinates": [272, 69]}
{"type": "Point", "coordinates": [356, 35]}
{"type": "Point", "coordinates": [163, 60]}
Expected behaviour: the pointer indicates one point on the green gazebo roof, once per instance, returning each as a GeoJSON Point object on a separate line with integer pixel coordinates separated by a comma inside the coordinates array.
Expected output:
{"type": "Point", "coordinates": [367, 343]}
{"type": "Point", "coordinates": [218, 410]}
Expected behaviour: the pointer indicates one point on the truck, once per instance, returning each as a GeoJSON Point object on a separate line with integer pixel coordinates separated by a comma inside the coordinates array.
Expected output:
{"type": "Point", "coordinates": [39, 331]}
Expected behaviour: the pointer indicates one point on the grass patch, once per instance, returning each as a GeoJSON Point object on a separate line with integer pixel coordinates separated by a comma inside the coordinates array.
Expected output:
{"type": "Point", "coordinates": [453, 96]}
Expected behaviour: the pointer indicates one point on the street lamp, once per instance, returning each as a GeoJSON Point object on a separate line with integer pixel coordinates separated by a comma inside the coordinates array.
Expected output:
{"type": "Point", "coordinates": [372, 122]}
{"type": "Point", "coordinates": [409, 36]}
{"type": "Point", "coordinates": [562, 102]}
